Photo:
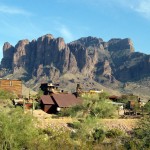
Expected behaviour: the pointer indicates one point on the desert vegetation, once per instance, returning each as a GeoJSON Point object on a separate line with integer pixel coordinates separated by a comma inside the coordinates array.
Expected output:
{"type": "Point", "coordinates": [95, 105]}
{"type": "Point", "coordinates": [20, 130]}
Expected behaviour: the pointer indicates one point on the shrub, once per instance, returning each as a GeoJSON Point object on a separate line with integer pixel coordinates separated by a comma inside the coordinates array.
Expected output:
{"type": "Point", "coordinates": [113, 133]}
{"type": "Point", "coordinates": [75, 125]}
{"type": "Point", "coordinates": [102, 109]}
{"type": "Point", "coordinates": [98, 135]}
{"type": "Point", "coordinates": [94, 105]}
{"type": "Point", "coordinates": [37, 105]}
{"type": "Point", "coordinates": [147, 107]}
{"type": "Point", "coordinates": [66, 112]}
{"type": "Point", "coordinates": [6, 95]}
{"type": "Point", "coordinates": [140, 137]}
{"type": "Point", "coordinates": [16, 130]}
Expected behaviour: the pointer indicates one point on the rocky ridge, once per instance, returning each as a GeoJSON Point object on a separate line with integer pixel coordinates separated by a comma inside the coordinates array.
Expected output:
{"type": "Point", "coordinates": [113, 62]}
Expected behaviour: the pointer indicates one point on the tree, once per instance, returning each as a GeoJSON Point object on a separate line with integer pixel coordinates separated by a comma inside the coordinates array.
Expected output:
{"type": "Point", "coordinates": [140, 137]}
{"type": "Point", "coordinates": [147, 107]}
{"type": "Point", "coordinates": [16, 130]}
{"type": "Point", "coordinates": [6, 95]}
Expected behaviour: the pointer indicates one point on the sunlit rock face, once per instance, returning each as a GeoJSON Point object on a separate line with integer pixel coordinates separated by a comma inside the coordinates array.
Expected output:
{"type": "Point", "coordinates": [92, 57]}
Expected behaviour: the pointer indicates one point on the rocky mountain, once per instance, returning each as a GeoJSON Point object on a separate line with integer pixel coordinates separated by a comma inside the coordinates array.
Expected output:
{"type": "Point", "coordinates": [48, 58]}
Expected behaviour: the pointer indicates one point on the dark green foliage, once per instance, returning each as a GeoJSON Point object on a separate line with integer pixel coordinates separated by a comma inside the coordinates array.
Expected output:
{"type": "Point", "coordinates": [98, 135]}
{"type": "Point", "coordinates": [95, 105]}
{"type": "Point", "coordinates": [140, 139]}
{"type": "Point", "coordinates": [114, 133]}
{"type": "Point", "coordinates": [75, 125]}
{"type": "Point", "coordinates": [60, 139]}
{"type": "Point", "coordinates": [126, 98]}
{"type": "Point", "coordinates": [70, 111]}
{"type": "Point", "coordinates": [147, 107]}
{"type": "Point", "coordinates": [103, 109]}
{"type": "Point", "coordinates": [37, 105]}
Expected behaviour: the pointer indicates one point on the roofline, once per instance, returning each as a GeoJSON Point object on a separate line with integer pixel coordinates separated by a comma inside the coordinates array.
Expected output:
{"type": "Point", "coordinates": [11, 79]}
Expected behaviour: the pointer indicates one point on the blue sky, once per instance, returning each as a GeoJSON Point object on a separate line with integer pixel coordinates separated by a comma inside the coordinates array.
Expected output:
{"type": "Point", "coordinates": [73, 19]}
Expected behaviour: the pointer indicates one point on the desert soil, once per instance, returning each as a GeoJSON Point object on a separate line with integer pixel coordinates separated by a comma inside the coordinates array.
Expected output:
{"type": "Point", "coordinates": [47, 120]}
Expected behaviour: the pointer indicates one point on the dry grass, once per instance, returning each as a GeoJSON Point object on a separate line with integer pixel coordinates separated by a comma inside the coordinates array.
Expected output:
{"type": "Point", "coordinates": [47, 120]}
{"type": "Point", "coordinates": [125, 125]}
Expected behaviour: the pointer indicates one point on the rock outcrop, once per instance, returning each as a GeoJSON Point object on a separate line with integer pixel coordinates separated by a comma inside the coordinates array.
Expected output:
{"type": "Point", "coordinates": [92, 57]}
{"type": "Point", "coordinates": [8, 53]}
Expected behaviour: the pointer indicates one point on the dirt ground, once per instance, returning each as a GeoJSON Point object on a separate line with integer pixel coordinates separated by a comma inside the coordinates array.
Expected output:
{"type": "Point", "coordinates": [125, 125]}
{"type": "Point", "coordinates": [48, 120]}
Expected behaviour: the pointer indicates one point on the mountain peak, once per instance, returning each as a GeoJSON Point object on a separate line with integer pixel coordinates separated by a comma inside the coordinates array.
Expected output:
{"type": "Point", "coordinates": [116, 44]}
{"type": "Point", "coordinates": [88, 41]}
{"type": "Point", "coordinates": [49, 36]}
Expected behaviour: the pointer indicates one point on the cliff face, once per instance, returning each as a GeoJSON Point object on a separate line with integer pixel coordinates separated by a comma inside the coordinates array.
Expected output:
{"type": "Point", "coordinates": [92, 57]}
{"type": "Point", "coordinates": [8, 53]}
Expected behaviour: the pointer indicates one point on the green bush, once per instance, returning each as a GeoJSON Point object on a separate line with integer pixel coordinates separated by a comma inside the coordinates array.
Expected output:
{"type": "Point", "coordinates": [16, 130]}
{"type": "Point", "coordinates": [103, 109]}
{"type": "Point", "coordinates": [75, 125]}
{"type": "Point", "coordinates": [113, 133]}
{"type": "Point", "coordinates": [98, 135]}
{"type": "Point", "coordinates": [147, 107]}
{"type": "Point", "coordinates": [95, 105]}
{"type": "Point", "coordinates": [37, 105]}
{"type": "Point", "coordinates": [72, 112]}
{"type": "Point", "coordinates": [6, 95]}
{"type": "Point", "coordinates": [140, 137]}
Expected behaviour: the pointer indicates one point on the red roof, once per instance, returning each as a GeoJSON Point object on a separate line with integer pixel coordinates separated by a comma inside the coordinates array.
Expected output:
{"type": "Point", "coordinates": [66, 100]}
{"type": "Point", "coordinates": [46, 99]}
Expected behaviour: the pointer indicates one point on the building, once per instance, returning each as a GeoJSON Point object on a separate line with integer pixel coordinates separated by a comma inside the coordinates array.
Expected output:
{"type": "Point", "coordinates": [14, 86]}
{"type": "Point", "coordinates": [49, 88]}
{"type": "Point", "coordinates": [47, 104]}
{"type": "Point", "coordinates": [54, 102]}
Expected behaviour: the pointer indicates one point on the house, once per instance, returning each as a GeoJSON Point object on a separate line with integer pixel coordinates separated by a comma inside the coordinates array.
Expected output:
{"type": "Point", "coordinates": [54, 102]}
{"type": "Point", "coordinates": [47, 104]}
{"type": "Point", "coordinates": [14, 86]}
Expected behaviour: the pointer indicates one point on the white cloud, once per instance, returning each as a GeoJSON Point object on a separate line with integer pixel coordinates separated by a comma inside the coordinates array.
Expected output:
{"type": "Point", "coordinates": [65, 33]}
{"type": "Point", "coordinates": [12, 10]}
{"type": "Point", "coordinates": [143, 7]}
{"type": "Point", "coordinates": [140, 6]}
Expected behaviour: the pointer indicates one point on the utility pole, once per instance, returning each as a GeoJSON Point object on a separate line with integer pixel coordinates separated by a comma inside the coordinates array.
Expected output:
{"type": "Point", "coordinates": [32, 106]}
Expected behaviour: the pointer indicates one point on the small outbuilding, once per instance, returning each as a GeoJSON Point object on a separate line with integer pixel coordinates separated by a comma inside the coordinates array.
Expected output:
{"type": "Point", "coordinates": [47, 104]}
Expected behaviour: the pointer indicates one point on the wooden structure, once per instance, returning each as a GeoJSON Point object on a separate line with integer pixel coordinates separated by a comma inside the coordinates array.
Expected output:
{"type": "Point", "coordinates": [54, 102]}
{"type": "Point", "coordinates": [47, 104]}
{"type": "Point", "coordinates": [49, 88]}
{"type": "Point", "coordinates": [14, 86]}
{"type": "Point", "coordinates": [114, 98]}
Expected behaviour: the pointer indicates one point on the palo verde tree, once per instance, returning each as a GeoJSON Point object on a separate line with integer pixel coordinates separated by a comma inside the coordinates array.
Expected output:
{"type": "Point", "coordinates": [16, 130]}
{"type": "Point", "coordinates": [94, 105]}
